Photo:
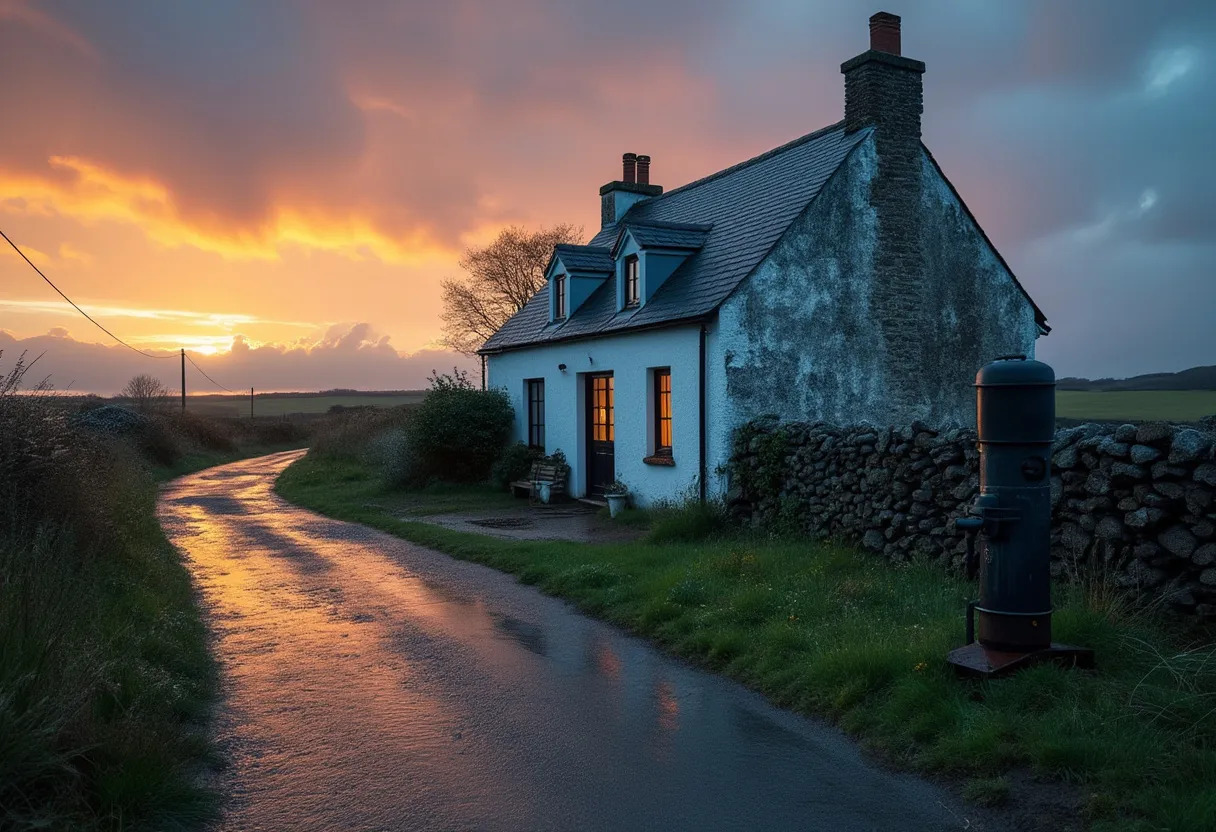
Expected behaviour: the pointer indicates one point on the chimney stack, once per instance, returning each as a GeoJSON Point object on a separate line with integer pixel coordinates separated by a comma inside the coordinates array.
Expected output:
{"type": "Point", "coordinates": [883, 92]}
{"type": "Point", "coordinates": [634, 185]}
{"type": "Point", "coordinates": [884, 33]}
{"type": "Point", "coordinates": [643, 170]}
{"type": "Point", "coordinates": [881, 87]}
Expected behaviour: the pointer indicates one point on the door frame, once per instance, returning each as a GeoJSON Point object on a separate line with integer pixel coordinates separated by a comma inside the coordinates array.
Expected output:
{"type": "Point", "coordinates": [589, 427]}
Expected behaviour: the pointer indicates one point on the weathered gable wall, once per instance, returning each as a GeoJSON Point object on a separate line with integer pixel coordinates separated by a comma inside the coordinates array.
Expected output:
{"type": "Point", "coordinates": [974, 311]}
{"type": "Point", "coordinates": [797, 338]}
{"type": "Point", "coordinates": [802, 338]}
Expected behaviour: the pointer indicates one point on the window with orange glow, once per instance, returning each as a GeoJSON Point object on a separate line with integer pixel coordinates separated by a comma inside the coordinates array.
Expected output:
{"type": "Point", "coordinates": [662, 411]}
{"type": "Point", "coordinates": [602, 415]}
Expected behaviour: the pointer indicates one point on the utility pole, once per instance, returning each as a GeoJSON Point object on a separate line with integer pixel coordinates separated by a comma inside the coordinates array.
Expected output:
{"type": "Point", "coordinates": [183, 381]}
{"type": "Point", "coordinates": [251, 403]}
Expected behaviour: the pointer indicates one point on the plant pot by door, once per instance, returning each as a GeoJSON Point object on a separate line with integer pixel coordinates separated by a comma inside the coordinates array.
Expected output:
{"type": "Point", "coordinates": [544, 490]}
{"type": "Point", "coordinates": [616, 503]}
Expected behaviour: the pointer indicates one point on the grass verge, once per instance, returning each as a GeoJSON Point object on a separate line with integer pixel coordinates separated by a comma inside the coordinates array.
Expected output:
{"type": "Point", "coordinates": [826, 630]}
{"type": "Point", "coordinates": [106, 682]}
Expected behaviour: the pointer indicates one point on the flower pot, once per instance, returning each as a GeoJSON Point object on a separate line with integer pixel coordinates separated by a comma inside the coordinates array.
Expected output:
{"type": "Point", "coordinates": [616, 503]}
{"type": "Point", "coordinates": [544, 490]}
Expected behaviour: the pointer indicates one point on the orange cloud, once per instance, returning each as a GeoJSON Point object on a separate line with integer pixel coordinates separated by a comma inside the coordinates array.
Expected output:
{"type": "Point", "coordinates": [89, 192]}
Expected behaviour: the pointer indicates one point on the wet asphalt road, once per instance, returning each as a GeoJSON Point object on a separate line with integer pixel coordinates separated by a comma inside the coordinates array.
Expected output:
{"type": "Point", "coordinates": [371, 684]}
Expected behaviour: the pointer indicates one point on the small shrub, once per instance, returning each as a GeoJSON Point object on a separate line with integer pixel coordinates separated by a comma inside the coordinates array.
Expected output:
{"type": "Point", "coordinates": [209, 433]}
{"type": "Point", "coordinates": [279, 431]}
{"type": "Point", "coordinates": [513, 464]}
{"type": "Point", "coordinates": [457, 433]}
{"type": "Point", "coordinates": [349, 436]}
{"type": "Point", "coordinates": [689, 521]}
{"type": "Point", "coordinates": [393, 453]}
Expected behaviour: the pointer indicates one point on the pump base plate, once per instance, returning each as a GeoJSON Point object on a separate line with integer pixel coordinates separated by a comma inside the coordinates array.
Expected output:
{"type": "Point", "coordinates": [977, 660]}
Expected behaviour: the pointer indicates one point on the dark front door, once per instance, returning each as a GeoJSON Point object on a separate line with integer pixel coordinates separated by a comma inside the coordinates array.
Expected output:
{"type": "Point", "coordinates": [601, 459]}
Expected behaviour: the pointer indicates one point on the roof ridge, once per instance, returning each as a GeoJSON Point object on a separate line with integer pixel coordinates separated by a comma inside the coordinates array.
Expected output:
{"type": "Point", "coordinates": [578, 245]}
{"type": "Point", "coordinates": [673, 226]}
{"type": "Point", "coordinates": [737, 166]}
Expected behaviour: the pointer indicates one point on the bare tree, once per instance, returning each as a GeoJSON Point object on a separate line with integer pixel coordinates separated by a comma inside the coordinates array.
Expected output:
{"type": "Point", "coordinates": [500, 278]}
{"type": "Point", "coordinates": [146, 393]}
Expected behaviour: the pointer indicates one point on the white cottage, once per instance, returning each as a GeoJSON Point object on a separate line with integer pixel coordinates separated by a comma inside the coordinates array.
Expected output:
{"type": "Point", "coordinates": [839, 277]}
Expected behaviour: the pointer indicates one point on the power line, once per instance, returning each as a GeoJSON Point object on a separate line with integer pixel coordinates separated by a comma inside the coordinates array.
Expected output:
{"type": "Point", "coordinates": [73, 303]}
{"type": "Point", "coordinates": [209, 378]}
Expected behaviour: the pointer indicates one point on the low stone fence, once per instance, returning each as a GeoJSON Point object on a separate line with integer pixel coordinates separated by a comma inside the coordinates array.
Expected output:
{"type": "Point", "coordinates": [1137, 502]}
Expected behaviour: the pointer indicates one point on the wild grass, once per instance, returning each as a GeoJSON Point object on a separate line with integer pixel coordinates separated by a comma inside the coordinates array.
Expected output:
{"type": "Point", "coordinates": [105, 677]}
{"type": "Point", "coordinates": [827, 630]}
{"type": "Point", "coordinates": [1136, 405]}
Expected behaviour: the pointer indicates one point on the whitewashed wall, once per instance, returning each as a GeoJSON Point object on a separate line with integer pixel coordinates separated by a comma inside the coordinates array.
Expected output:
{"type": "Point", "coordinates": [628, 357]}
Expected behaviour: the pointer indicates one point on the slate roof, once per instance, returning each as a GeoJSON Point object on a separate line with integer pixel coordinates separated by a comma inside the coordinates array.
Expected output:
{"type": "Point", "coordinates": [585, 258]}
{"type": "Point", "coordinates": [678, 235]}
{"type": "Point", "coordinates": [749, 207]}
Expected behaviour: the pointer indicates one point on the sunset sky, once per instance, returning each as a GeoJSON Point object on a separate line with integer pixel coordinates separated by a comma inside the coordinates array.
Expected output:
{"type": "Point", "coordinates": [280, 186]}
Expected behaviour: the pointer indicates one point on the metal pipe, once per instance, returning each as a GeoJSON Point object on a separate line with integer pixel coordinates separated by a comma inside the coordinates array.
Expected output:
{"type": "Point", "coordinates": [703, 416]}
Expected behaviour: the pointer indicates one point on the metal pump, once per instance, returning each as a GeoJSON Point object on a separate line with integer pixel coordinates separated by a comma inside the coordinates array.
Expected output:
{"type": "Point", "coordinates": [1010, 521]}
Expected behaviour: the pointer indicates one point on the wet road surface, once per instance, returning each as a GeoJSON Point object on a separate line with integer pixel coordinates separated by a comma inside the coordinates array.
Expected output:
{"type": "Point", "coordinates": [371, 684]}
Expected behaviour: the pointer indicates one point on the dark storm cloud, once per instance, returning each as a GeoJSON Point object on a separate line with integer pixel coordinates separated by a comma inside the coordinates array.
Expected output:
{"type": "Point", "coordinates": [1078, 132]}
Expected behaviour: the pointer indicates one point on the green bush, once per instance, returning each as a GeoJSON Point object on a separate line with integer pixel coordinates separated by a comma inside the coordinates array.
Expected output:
{"type": "Point", "coordinates": [457, 432]}
{"type": "Point", "coordinates": [513, 464]}
{"type": "Point", "coordinates": [350, 435]}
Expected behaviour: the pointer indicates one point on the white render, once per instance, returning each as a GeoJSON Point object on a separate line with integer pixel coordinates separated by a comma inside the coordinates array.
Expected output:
{"type": "Point", "coordinates": [631, 357]}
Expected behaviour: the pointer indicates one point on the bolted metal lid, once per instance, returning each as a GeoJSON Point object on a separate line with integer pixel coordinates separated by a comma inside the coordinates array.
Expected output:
{"type": "Point", "coordinates": [1015, 371]}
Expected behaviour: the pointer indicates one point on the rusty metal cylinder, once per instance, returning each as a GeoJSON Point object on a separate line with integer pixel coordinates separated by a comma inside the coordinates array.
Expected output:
{"type": "Point", "coordinates": [1015, 418]}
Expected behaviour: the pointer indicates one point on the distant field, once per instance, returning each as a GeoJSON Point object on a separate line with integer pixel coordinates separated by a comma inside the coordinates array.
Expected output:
{"type": "Point", "coordinates": [288, 405]}
{"type": "Point", "coordinates": [1167, 405]}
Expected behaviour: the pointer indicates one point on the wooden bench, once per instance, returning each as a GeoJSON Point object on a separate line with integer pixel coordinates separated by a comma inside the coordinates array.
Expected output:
{"type": "Point", "coordinates": [540, 472]}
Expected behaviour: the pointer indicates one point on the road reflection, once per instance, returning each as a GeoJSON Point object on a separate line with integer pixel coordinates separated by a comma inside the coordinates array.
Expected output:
{"type": "Point", "coordinates": [372, 684]}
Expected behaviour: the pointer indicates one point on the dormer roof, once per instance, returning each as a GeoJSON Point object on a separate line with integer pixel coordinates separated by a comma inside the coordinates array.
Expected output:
{"type": "Point", "coordinates": [596, 259]}
{"type": "Point", "coordinates": [682, 236]}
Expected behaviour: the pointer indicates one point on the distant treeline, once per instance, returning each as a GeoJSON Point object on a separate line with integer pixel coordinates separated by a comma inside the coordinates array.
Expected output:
{"type": "Point", "coordinates": [342, 391]}
{"type": "Point", "coordinates": [1196, 378]}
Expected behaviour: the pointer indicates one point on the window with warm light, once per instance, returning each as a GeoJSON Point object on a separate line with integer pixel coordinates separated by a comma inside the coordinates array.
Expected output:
{"type": "Point", "coordinates": [662, 412]}
{"type": "Point", "coordinates": [559, 297]}
{"type": "Point", "coordinates": [632, 295]}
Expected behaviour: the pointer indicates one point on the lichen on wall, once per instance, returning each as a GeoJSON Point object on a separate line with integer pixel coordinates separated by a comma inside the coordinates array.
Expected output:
{"type": "Point", "coordinates": [797, 338]}
{"type": "Point", "coordinates": [802, 338]}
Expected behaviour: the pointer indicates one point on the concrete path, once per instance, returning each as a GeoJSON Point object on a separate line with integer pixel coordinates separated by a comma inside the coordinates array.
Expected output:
{"type": "Point", "coordinates": [371, 684]}
{"type": "Point", "coordinates": [570, 521]}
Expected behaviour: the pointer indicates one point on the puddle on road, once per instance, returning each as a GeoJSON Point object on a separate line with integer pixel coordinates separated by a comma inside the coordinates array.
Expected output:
{"type": "Point", "coordinates": [360, 695]}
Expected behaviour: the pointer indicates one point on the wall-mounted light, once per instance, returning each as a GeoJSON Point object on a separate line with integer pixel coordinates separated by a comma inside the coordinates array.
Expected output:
{"type": "Point", "coordinates": [590, 360]}
{"type": "Point", "coordinates": [561, 367]}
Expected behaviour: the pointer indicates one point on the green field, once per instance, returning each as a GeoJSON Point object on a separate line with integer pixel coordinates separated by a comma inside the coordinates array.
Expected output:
{"type": "Point", "coordinates": [275, 405]}
{"type": "Point", "coordinates": [1136, 405]}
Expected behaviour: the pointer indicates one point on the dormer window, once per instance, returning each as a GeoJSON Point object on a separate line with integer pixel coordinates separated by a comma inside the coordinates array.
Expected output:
{"type": "Point", "coordinates": [632, 284]}
{"type": "Point", "coordinates": [559, 297]}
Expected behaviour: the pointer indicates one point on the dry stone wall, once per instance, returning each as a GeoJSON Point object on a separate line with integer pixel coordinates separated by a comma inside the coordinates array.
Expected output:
{"type": "Point", "coordinates": [1136, 502]}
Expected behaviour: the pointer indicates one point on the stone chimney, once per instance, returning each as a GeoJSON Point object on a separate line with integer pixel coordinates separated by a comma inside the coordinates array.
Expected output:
{"type": "Point", "coordinates": [634, 185]}
{"type": "Point", "coordinates": [882, 90]}
{"type": "Point", "coordinates": [880, 86]}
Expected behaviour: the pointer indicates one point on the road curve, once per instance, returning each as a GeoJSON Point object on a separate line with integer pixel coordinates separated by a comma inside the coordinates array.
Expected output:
{"type": "Point", "coordinates": [371, 684]}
